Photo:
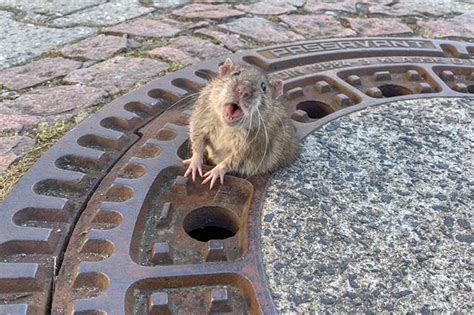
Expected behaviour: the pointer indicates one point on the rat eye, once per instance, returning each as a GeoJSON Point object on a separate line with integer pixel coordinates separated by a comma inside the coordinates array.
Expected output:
{"type": "Point", "coordinates": [263, 86]}
{"type": "Point", "coordinates": [236, 73]}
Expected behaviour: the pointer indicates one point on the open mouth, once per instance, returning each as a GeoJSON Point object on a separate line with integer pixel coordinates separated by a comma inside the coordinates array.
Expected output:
{"type": "Point", "coordinates": [232, 113]}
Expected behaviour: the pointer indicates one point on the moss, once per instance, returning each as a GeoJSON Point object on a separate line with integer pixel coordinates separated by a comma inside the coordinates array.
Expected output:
{"type": "Point", "coordinates": [174, 67]}
{"type": "Point", "coordinates": [302, 11]}
{"type": "Point", "coordinates": [213, 40]}
{"type": "Point", "coordinates": [138, 54]}
{"type": "Point", "coordinates": [274, 19]}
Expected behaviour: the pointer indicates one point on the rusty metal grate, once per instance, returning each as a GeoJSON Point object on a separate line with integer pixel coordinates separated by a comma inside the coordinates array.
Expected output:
{"type": "Point", "coordinates": [104, 223]}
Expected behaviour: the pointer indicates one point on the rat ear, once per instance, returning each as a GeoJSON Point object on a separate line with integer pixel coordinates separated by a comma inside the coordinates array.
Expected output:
{"type": "Point", "coordinates": [227, 67]}
{"type": "Point", "coordinates": [277, 88]}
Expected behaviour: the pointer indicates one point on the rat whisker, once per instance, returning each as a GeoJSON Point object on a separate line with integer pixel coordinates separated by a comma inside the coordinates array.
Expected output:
{"type": "Point", "coordinates": [187, 97]}
{"type": "Point", "coordinates": [256, 134]}
{"type": "Point", "coordinates": [266, 141]}
{"type": "Point", "coordinates": [250, 126]}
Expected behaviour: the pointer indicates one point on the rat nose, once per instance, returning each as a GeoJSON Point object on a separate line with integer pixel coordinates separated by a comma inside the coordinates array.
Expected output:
{"type": "Point", "coordinates": [244, 89]}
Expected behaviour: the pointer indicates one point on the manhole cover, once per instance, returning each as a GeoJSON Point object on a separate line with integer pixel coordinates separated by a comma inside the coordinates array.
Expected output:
{"type": "Point", "coordinates": [105, 224]}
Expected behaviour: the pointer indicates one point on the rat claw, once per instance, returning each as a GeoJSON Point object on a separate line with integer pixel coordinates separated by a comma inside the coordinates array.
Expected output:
{"type": "Point", "coordinates": [200, 170]}
{"type": "Point", "coordinates": [213, 181]}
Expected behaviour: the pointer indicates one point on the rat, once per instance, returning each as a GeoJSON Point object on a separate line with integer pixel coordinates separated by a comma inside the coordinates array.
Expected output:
{"type": "Point", "coordinates": [240, 125]}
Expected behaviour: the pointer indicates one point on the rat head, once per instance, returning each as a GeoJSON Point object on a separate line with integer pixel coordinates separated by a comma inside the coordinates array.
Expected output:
{"type": "Point", "coordinates": [246, 90]}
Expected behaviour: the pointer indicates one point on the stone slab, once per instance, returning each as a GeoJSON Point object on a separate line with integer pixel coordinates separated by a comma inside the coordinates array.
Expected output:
{"type": "Point", "coordinates": [21, 42]}
{"type": "Point", "coordinates": [207, 11]}
{"type": "Point", "coordinates": [147, 27]}
{"type": "Point", "coordinates": [173, 55]}
{"type": "Point", "coordinates": [37, 72]}
{"type": "Point", "coordinates": [230, 41]}
{"type": "Point", "coordinates": [367, 220]}
{"type": "Point", "coordinates": [378, 26]}
{"type": "Point", "coordinates": [317, 26]}
{"type": "Point", "coordinates": [11, 148]}
{"type": "Point", "coordinates": [97, 48]}
{"type": "Point", "coordinates": [261, 30]}
{"type": "Point", "coordinates": [53, 101]}
{"type": "Point", "coordinates": [106, 14]}
{"type": "Point", "coordinates": [117, 74]}
{"type": "Point", "coordinates": [199, 48]}
{"type": "Point", "coordinates": [163, 4]}
{"type": "Point", "coordinates": [17, 123]}
{"type": "Point", "coordinates": [267, 8]}
{"type": "Point", "coordinates": [459, 27]}
{"type": "Point", "coordinates": [49, 9]}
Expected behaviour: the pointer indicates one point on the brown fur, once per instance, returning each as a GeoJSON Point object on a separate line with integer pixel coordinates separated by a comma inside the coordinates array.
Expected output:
{"type": "Point", "coordinates": [261, 142]}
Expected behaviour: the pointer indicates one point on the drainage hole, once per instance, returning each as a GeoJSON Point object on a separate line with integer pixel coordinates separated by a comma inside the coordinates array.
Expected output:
{"type": "Point", "coordinates": [392, 90]}
{"type": "Point", "coordinates": [211, 223]}
{"type": "Point", "coordinates": [208, 233]}
{"type": "Point", "coordinates": [315, 109]}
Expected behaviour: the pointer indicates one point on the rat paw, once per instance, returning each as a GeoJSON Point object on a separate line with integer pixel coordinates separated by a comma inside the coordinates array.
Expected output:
{"type": "Point", "coordinates": [214, 174]}
{"type": "Point", "coordinates": [195, 166]}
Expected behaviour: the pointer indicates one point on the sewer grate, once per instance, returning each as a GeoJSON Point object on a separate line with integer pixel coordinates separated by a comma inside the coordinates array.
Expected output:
{"type": "Point", "coordinates": [107, 214]}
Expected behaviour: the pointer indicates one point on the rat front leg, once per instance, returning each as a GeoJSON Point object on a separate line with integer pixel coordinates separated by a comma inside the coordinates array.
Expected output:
{"type": "Point", "coordinates": [218, 172]}
{"type": "Point", "coordinates": [196, 161]}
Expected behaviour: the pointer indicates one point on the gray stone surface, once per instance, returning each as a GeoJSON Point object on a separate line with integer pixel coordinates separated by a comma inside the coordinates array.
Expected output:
{"type": "Point", "coordinates": [375, 217]}
{"type": "Point", "coordinates": [106, 14]}
{"type": "Point", "coordinates": [20, 42]}
{"type": "Point", "coordinates": [48, 8]}
{"type": "Point", "coordinates": [162, 4]}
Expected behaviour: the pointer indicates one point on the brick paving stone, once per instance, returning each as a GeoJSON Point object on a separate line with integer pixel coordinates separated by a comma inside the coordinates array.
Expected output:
{"type": "Point", "coordinates": [341, 5]}
{"type": "Point", "coordinates": [267, 8]}
{"type": "Point", "coordinates": [36, 72]}
{"type": "Point", "coordinates": [409, 9]}
{"type": "Point", "coordinates": [96, 48]}
{"type": "Point", "coordinates": [231, 41]}
{"type": "Point", "coordinates": [317, 25]}
{"type": "Point", "coordinates": [146, 27]}
{"type": "Point", "coordinates": [173, 55]}
{"type": "Point", "coordinates": [197, 47]}
{"type": "Point", "coordinates": [207, 11]}
{"type": "Point", "coordinates": [296, 3]}
{"type": "Point", "coordinates": [117, 74]}
{"type": "Point", "coordinates": [59, 100]}
{"type": "Point", "coordinates": [40, 9]}
{"type": "Point", "coordinates": [378, 26]}
{"type": "Point", "coordinates": [11, 148]}
{"type": "Point", "coordinates": [460, 27]}
{"type": "Point", "coordinates": [320, 6]}
{"type": "Point", "coordinates": [105, 14]}
{"type": "Point", "coordinates": [17, 123]}
{"type": "Point", "coordinates": [261, 30]}
{"type": "Point", "coordinates": [20, 42]}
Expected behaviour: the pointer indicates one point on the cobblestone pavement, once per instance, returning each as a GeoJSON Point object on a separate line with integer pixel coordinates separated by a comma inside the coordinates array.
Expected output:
{"type": "Point", "coordinates": [51, 51]}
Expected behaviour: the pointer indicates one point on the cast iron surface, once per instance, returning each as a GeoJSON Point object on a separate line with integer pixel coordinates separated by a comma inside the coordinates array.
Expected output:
{"type": "Point", "coordinates": [104, 222]}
